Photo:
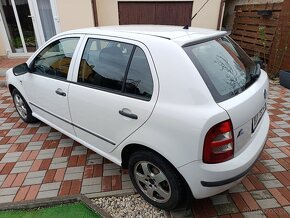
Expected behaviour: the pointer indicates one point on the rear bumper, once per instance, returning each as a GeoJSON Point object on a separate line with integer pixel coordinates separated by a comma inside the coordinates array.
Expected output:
{"type": "Point", "coordinates": [207, 180]}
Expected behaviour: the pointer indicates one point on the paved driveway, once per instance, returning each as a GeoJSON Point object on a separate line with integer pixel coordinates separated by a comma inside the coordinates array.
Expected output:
{"type": "Point", "coordinates": [37, 161]}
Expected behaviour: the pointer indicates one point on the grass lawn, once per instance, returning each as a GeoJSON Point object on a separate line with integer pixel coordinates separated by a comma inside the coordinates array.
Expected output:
{"type": "Point", "coordinates": [60, 211]}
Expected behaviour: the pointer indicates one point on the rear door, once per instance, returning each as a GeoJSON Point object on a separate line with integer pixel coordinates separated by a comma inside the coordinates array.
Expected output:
{"type": "Point", "coordinates": [235, 82]}
{"type": "Point", "coordinates": [114, 91]}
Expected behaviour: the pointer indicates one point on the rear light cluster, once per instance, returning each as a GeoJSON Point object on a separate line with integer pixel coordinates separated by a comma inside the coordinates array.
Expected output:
{"type": "Point", "coordinates": [219, 143]}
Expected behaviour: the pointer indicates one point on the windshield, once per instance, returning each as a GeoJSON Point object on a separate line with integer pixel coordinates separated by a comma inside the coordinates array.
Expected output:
{"type": "Point", "coordinates": [226, 69]}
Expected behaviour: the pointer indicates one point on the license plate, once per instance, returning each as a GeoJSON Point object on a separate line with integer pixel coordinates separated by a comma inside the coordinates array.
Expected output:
{"type": "Point", "coordinates": [257, 118]}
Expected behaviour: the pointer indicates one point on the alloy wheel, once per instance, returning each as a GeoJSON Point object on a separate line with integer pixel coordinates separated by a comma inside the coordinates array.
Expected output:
{"type": "Point", "coordinates": [152, 181]}
{"type": "Point", "coordinates": [20, 106]}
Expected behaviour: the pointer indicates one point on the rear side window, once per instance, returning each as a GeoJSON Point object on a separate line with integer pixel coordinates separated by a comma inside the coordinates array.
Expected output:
{"type": "Point", "coordinates": [225, 67]}
{"type": "Point", "coordinates": [139, 80]}
{"type": "Point", "coordinates": [104, 64]}
{"type": "Point", "coordinates": [120, 67]}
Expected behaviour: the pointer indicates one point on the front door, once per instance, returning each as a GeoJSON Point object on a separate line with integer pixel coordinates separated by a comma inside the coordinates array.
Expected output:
{"type": "Point", "coordinates": [112, 94]}
{"type": "Point", "coordinates": [27, 23]}
{"type": "Point", "coordinates": [47, 87]}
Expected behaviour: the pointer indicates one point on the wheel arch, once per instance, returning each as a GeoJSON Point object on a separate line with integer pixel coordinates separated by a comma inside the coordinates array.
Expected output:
{"type": "Point", "coordinates": [11, 88]}
{"type": "Point", "coordinates": [131, 148]}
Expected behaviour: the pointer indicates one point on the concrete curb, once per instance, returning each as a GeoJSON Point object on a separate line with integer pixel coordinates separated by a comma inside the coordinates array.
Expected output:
{"type": "Point", "coordinates": [49, 202]}
{"type": "Point", "coordinates": [118, 193]}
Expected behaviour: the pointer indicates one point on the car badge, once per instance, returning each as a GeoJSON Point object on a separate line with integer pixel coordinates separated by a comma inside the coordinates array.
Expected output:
{"type": "Point", "coordinates": [241, 132]}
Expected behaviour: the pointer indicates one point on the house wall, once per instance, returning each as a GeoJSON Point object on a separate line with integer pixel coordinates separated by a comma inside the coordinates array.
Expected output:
{"type": "Point", "coordinates": [2, 47]}
{"type": "Point", "coordinates": [108, 12]}
{"type": "Point", "coordinates": [229, 14]}
{"type": "Point", "coordinates": [74, 14]}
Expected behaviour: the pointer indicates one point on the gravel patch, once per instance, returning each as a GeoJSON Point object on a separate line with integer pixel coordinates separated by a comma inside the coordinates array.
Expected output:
{"type": "Point", "coordinates": [128, 206]}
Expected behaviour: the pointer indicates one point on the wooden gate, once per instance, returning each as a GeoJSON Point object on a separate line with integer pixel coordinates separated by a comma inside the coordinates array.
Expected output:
{"type": "Point", "coordinates": [253, 32]}
{"type": "Point", "coordinates": [165, 13]}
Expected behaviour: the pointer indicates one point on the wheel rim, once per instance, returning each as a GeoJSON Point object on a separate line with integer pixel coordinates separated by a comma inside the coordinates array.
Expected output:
{"type": "Point", "coordinates": [152, 181]}
{"type": "Point", "coordinates": [20, 106]}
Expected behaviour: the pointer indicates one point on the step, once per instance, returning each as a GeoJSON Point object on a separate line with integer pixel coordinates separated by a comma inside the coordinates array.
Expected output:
{"type": "Point", "coordinates": [3, 71]}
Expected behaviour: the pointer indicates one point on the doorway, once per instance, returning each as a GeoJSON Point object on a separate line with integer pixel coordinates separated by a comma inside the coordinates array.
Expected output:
{"type": "Point", "coordinates": [28, 24]}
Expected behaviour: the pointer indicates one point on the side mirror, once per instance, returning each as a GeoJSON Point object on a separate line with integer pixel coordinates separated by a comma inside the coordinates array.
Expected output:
{"type": "Point", "coordinates": [21, 69]}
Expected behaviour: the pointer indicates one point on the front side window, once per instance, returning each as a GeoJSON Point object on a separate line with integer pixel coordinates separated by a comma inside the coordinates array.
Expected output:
{"type": "Point", "coordinates": [55, 59]}
{"type": "Point", "coordinates": [104, 64]}
{"type": "Point", "coordinates": [225, 67]}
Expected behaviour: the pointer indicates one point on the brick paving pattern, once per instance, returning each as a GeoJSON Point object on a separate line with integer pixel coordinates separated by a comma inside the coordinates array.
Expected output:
{"type": "Point", "coordinates": [37, 161]}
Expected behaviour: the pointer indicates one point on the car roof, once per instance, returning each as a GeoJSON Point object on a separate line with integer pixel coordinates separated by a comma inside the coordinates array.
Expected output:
{"type": "Point", "coordinates": [174, 33]}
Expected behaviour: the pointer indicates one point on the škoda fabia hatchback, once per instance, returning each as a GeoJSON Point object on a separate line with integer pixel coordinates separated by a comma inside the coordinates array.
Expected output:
{"type": "Point", "coordinates": [183, 109]}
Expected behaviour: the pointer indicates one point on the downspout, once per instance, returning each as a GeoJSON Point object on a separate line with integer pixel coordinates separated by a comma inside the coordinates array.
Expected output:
{"type": "Point", "coordinates": [95, 13]}
{"type": "Point", "coordinates": [221, 14]}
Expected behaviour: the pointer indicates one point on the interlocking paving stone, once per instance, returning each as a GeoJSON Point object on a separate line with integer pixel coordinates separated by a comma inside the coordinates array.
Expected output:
{"type": "Point", "coordinates": [261, 194]}
{"type": "Point", "coordinates": [266, 176]}
{"type": "Point", "coordinates": [45, 154]}
{"type": "Point", "coordinates": [24, 163]}
{"type": "Point", "coordinates": [268, 203]}
{"type": "Point", "coordinates": [44, 129]}
{"type": "Point", "coordinates": [50, 186]}
{"type": "Point", "coordinates": [14, 132]}
{"type": "Point", "coordinates": [47, 194]}
{"type": "Point", "coordinates": [24, 138]}
{"type": "Point", "coordinates": [254, 214]}
{"type": "Point", "coordinates": [91, 189]}
{"type": "Point", "coordinates": [4, 148]}
{"type": "Point", "coordinates": [75, 170]}
{"type": "Point", "coordinates": [32, 181]}
{"type": "Point", "coordinates": [23, 169]}
{"type": "Point", "coordinates": [8, 191]}
{"type": "Point", "coordinates": [7, 198]}
{"type": "Point", "coordinates": [73, 176]}
{"type": "Point", "coordinates": [36, 174]}
{"type": "Point", "coordinates": [92, 181]}
{"type": "Point", "coordinates": [34, 146]}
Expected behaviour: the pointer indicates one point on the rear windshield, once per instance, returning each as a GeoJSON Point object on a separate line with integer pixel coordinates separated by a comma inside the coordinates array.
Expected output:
{"type": "Point", "coordinates": [226, 69]}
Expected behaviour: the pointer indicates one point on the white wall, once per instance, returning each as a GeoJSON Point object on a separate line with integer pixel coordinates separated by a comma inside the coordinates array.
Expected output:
{"type": "Point", "coordinates": [2, 46]}
{"type": "Point", "coordinates": [74, 14]}
{"type": "Point", "coordinates": [108, 12]}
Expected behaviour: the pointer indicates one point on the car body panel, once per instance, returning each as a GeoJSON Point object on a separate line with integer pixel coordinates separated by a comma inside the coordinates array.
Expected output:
{"type": "Point", "coordinates": [242, 109]}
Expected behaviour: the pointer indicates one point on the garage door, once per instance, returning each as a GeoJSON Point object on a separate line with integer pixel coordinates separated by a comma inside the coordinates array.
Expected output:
{"type": "Point", "coordinates": [165, 13]}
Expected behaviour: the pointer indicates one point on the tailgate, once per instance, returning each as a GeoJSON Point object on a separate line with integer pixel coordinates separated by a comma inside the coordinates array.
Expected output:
{"type": "Point", "coordinates": [246, 110]}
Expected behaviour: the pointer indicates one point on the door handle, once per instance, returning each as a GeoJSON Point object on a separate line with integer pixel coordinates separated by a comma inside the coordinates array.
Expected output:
{"type": "Point", "coordinates": [128, 114]}
{"type": "Point", "coordinates": [60, 92]}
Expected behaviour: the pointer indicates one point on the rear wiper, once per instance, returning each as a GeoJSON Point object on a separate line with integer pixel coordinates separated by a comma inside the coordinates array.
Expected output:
{"type": "Point", "coordinates": [257, 72]}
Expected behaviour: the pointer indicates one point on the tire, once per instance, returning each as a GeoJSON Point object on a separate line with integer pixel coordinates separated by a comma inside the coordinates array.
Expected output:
{"type": "Point", "coordinates": [160, 184]}
{"type": "Point", "coordinates": [22, 107]}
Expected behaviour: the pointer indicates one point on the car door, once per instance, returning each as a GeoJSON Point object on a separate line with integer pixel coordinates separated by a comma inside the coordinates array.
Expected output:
{"type": "Point", "coordinates": [47, 85]}
{"type": "Point", "coordinates": [114, 91]}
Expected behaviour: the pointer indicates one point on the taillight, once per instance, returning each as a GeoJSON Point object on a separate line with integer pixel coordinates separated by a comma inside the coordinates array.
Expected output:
{"type": "Point", "coordinates": [219, 143]}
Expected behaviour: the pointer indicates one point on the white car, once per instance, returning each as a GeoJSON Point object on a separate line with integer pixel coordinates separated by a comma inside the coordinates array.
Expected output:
{"type": "Point", "coordinates": [183, 109]}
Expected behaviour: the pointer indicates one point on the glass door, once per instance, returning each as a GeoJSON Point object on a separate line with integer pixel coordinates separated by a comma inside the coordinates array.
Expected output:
{"type": "Point", "coordinates": [19, 27]}
{"type": "Point", "coordinates": [28, 24]}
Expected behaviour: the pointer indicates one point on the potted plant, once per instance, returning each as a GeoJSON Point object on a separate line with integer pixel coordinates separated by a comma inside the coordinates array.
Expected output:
{"type": "Point", "coordinates": [284, 77]}
{"type": "Point", "coordinates": [18, 45]}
